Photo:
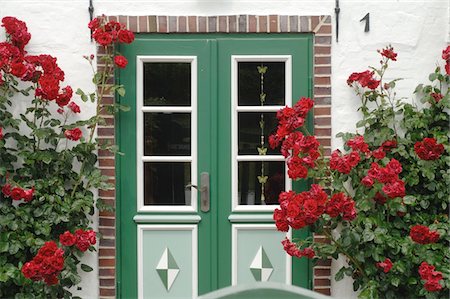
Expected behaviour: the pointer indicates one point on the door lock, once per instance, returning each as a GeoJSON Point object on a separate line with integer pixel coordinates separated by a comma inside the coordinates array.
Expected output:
{"type": "Point", "coordinates": [204, 191]}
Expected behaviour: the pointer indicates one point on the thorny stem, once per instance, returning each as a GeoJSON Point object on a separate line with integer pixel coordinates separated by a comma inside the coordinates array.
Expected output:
{"type": "Point", "coordinates": [327, 233]}
{"type": "Point", "coordinates": [99, 95]}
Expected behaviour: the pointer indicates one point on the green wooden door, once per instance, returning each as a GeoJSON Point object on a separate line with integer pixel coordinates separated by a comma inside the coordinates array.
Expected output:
{"type": "Point", "coordinates": [201, 106]}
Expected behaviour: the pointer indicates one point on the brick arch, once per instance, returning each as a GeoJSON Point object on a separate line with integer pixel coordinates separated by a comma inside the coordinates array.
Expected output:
{"type": "Point", "coordinates": [320, 26]}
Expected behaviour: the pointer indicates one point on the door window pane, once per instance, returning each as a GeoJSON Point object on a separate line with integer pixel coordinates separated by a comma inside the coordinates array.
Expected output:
{"type": "Point", "coordinates": [254, 129]}
{"type": "Point", "coordinates": [167, 84]}
{"type": "Point", "coordinates": [260, 182]}
{"type": "Point", "coordinates": [164, 183]}
{"type": "Point", "coordinates": [256, 78]}
{"type": "Point", "coordinates": [167, 134]}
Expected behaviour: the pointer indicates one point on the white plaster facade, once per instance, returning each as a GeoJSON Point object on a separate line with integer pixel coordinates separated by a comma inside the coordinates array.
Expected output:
{"type": "Point", "coordinates": [418, 31]}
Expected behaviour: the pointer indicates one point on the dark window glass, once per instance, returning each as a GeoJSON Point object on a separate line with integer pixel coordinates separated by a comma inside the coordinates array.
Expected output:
{"type": "Point", "coordinates": [249, 131]}
{"type": "Point", "coordinates": [164, 183]}
{"type": "Point", "coordinates": [250, 187]}
{"type": "Point", "coordinates": [249, 83]}
{"type": "Point", "coordinates": [167, 134]}
{"type": "Point", "coordinates": [167, 84]}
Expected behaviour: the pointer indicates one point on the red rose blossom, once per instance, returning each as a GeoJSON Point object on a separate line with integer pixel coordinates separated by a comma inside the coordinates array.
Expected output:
{"type": "Point", "coordinates": [120, 61]}
{"type": "Point", "coordinates": [28, 194]}
{"type": "Point", "coordinates": [74, 134]}
{"type": "Point", "coordinates": [427, 272]}
{"type": "Point", "coordinates": [126, 36]}
{"type": "Point", "coordinates": [436, 96]}
{"type": "Point", "coordinates": [428, 149]}
{"type": "Point", "coordinates": [389, 53]}
{"type": "Point", "coordinates": [386, 265]}
{"type": "Point", "coordinates": [6, 190]}
{"type": "Point", "coordinates": [17, 193]}
{"type": "Point", "coordinates": [67, 238]}
{"type": "Point", "coordinates": [74, 107]}
{"type": "Point", "coordinates": [1, 133]}
{"type": "Point", "coordinates": [421, 234]}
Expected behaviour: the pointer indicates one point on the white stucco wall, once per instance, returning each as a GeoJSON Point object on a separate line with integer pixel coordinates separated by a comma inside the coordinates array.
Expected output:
{"type": "Point", "coordinates": [418, 30]}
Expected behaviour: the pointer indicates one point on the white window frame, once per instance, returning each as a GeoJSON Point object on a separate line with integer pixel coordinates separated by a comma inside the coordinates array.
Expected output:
{"type": "Point", "coordinates": [141, 109]}
{"type": "Point", "coordinates": [235, 109]}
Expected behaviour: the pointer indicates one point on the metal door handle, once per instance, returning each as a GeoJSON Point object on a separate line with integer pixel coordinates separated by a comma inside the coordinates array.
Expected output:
{"type": "Point", "coordinates": [204, 191]}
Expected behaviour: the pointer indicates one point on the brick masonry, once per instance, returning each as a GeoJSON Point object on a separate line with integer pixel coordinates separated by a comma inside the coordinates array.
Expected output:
{"type": "Point", "coordinates": [320, 26]}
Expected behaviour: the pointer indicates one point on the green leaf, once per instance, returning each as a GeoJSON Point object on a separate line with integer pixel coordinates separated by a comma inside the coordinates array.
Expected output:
{"type": "Point", "coordinates": [4, 246]}
{"type": "Point", "coordinates": [409, 199]}
{"type": "Point", "coordinates": [86, 268]}
{"type": "Point", "coordinates": [121, 91]}
{"type": "Point", "coordinates": [395, 281]}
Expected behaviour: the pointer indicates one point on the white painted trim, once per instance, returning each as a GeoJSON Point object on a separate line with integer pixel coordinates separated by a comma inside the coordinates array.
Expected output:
{"type": "Point", "coordinates": [235, 108]}
{"type": "Point", "coordinates": [234, 249]}
{"type": "Point", "coordinates": [140, 230]}
{"type": "Point", "coordinates": [167, 219]}
{"type": "Point", "coordinates": [251, 218]}
{"type": "Point", "coordinates": [140, 109]}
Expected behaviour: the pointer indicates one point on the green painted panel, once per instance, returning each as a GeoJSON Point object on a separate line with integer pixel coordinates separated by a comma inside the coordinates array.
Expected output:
{"type": "Point", "coordinates": [260, 248]}
{"type": "Point", "coordinates": [171, 250]}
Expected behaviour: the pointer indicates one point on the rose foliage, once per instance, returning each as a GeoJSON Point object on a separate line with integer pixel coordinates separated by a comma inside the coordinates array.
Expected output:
{"type": "Point", "coordinates": [382, 201]}
{"type": "Point", "coordinates": [48, 163]}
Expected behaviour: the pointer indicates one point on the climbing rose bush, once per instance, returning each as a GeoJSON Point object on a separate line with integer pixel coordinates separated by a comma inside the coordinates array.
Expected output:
{"type": "Point", "coordinates": [48, 162]}
{"type": "Point", "coordinates": [383, 199]}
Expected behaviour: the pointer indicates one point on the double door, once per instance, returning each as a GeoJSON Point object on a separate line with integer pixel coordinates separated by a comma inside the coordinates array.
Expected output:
{"type": "Point", "coordinates": [198, 182]}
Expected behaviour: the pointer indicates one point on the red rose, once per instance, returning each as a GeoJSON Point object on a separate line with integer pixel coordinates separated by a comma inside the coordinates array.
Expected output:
{"type": "Point", "coordinates": [389, 144]}
{"type": "Point", "coordinates": [394, 189]}
{"type": "Point", "coordinates": [386, 265]}
{"type": "Point", "coordinates": [421, 234]}
{"type": "Point", "coordinates": [102, 37]}
{"type": "Point", "coordinates": [126, 36]}
{"type": "Point", "coordinates": [427, 272]}
{"type": "Point", "coordinates": [308, 252]}
{"type": "Point", "coordinates": [379, 153]}
{"type": "Point", "coordinates": [389, 53]}
{"type": "Point", "coordinates": [432, 286]}
{"type": "Point", "coordinates": [6, 190]}
{"type": "Point", "coordinates": [74, 107]}
{"type": "Point", "coordinates": [428, 149]}
{"type": "Point", "coordinates": [48, 249]}
{"type": "Point", "coordinates": [64, 98]}
{"type": "Point", "coordinates": [18, 69]}
{"type": "Point", "coordinates": [67, 238]}
{"type": "Point", "coordinates": [436, 96]}
{"type": "Point", "coordinates": [1, 133]}
{"type": "Point", "coordinates": [29, 270]}
{"type": "Point", "coordinates": [120, 61]}
{"type": "Point", "coordinates": [358, 144]}
{"type": "Point", "coordinates": [28, 194]}
{"type": "Point", "coordinates": [94, 24]}
{"type": "Point", "coordinates": [394, 166]}
{"type": "Point", "coordinates": [74, 134]}
{"type": "Point", "coordinates": [367, 181]}
{"type": "Point", "coordinates": [92, 237]}
{"type": "Point", "coordinates": [446, 53]}
{"type": "Point", "coordinates": [17, 193]}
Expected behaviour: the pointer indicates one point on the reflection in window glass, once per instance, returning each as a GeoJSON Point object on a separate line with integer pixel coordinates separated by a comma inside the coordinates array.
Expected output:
{"type": "Point", "coordinates": [167, 134]}
{"type": "Point", "coordinates": [167, 84]}
{"type": "Point", "coordinates": [249, 132]}
{"type": "Point", "coordinates": [254, 189]}
{"type": "Point", "coordinates": [249, 83]}
{"type": "Point", "coordinates": [164, 183]}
